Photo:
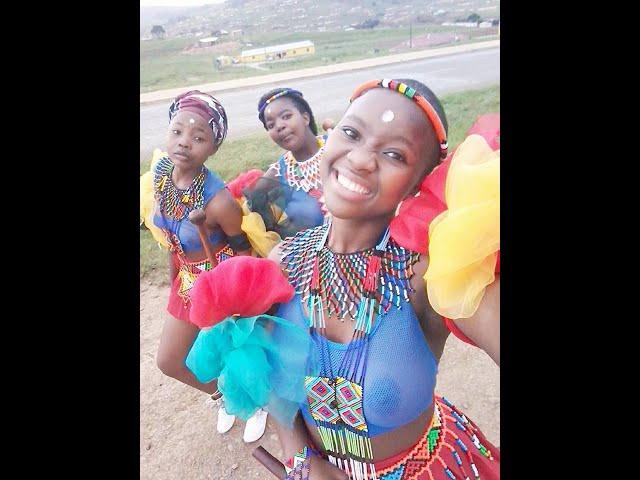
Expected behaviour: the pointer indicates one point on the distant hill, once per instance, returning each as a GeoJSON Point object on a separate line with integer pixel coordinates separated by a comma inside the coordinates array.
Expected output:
{"type": "Point", "coordinates": [308, 15]}
{"type": "Point", "coordinates": [150, 16]}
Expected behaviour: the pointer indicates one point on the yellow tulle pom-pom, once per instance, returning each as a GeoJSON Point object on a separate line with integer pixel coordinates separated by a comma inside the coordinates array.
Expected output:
{"type": "Point", "coordinates": [147, 201]}
{"type": "Point", "coordinates": [464, 240]}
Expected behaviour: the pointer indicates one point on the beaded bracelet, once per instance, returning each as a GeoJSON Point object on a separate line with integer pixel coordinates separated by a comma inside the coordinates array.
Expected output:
{"type": "Point", "coordinates": [298, 467]}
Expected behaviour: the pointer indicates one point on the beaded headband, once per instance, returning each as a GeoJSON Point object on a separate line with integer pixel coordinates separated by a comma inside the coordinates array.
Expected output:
{"type": "Point", "coordinates": [286, 91]}
{"type": "Point", "coordinates": [412, 94]}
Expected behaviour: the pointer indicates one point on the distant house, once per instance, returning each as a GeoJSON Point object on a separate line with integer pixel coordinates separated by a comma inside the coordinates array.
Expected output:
{"type": "Point", "coordinates": [236, 33]}
{"type": "Point", "coordinates": [207, 41]}
{"type": "Point", "coordinates": [278, 52]}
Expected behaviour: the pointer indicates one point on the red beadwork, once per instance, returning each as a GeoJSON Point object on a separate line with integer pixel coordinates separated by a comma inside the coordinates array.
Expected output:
{"type": "Point", "coordinates": [315, 275]}
{"type": "Point", "coordinates": [371, 278]}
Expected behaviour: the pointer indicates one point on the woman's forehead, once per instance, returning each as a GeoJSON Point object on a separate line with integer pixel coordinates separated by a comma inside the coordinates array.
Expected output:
{"type": "Point", "coordinates": [279, 105]}
{"type": "Point", "coordinates": [389, 109]}
{"type": "Point", "coordinates": [191, 119]}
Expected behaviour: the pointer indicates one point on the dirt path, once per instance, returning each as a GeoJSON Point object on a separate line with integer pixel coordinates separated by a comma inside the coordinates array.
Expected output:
{"type": "Point", "coordinates": [178, 440]}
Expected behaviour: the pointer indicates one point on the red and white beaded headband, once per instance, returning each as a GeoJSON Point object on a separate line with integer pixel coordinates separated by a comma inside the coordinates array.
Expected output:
{"type": "Point", "coordinates": [412, 94]}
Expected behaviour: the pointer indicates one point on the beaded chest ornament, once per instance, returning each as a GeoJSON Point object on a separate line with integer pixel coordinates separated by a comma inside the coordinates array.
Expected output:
{"type": "Point", "coordinates": [174, 202]}
{"type": "Point", "coordinates": [302, 175]}
{"type": "Point", "coordinates": [359, 285]}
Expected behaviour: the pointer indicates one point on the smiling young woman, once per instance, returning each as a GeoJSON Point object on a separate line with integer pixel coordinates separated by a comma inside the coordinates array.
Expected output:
{"type": "Point", "coordinates": [182, 184]}
{"type": "Point", "coordinates": [371, 410]}
{"type": "Point", "coordinates": [294, 180]}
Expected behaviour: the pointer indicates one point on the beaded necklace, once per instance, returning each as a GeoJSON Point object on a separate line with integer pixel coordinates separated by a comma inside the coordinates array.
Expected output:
{"type": "Point", "coordinates": [355, 284]}
{"type": "Point", "coordinates": [359, 285]}
{"type": "Point", "coordinates": [174, 202]}
{"type": "Point", "coordinates": [303, 175]}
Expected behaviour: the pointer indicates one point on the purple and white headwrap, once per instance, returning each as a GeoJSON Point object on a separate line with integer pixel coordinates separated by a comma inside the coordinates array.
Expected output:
{"type": "Point", "coordinates": [207, 107]}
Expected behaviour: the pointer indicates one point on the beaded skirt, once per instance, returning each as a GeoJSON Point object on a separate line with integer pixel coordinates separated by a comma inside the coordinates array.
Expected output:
{"type": "Point", "coordinates": [452, 448]}
{"type": "Point", "coordinates": [179, 304]}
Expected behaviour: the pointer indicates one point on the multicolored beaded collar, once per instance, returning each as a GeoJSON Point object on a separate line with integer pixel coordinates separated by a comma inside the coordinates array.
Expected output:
{"type": "Point", "coordinates": [303, 175]}
{"type": "Point", "coordinates": [358, 285]}
{"type": "Point", "coordinates": [412, 94]}
{"type": "Point", "coordinates": [174, 202]}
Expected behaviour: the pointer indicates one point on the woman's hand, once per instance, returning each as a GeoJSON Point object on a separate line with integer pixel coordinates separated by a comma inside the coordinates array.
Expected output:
{"type": "Point", "coordinates": [322, 469]}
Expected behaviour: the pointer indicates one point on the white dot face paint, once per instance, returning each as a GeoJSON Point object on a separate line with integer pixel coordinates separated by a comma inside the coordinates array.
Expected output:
{"type": "Point", "coordinates": [387, 116]}
{"type": "Point", "coordinates": [192, 121]}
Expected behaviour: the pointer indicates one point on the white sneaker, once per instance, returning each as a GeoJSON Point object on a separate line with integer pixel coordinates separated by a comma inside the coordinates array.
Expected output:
{"type": "Point", "coordinates": [254, 429]}
{"type": "Point", "coordinates": [225, 421]}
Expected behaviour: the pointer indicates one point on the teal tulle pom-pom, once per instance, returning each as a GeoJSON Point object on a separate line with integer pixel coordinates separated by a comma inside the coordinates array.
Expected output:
{"type": "Point", "coordinates": [260, 362]}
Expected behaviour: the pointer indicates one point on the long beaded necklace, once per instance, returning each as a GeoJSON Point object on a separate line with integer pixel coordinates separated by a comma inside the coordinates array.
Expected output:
{"type": "Point", "coordinates": [174, 202]}
{"type": "Point", "coordinates": [359, 285]}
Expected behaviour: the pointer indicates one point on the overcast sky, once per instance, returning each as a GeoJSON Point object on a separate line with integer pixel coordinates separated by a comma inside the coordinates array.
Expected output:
{"type": "Point", "coordinates": [176, 3]}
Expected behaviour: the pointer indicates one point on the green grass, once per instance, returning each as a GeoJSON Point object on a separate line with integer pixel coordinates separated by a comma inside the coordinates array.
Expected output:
{"type": "Point", "coordinates": [153, 260]}
{"type": "Point", "coordinates": [463, 109]}
{"type": "Point", "coordinates": [258, 151]}
{"type": "Point", "coordinates": [162, 65]}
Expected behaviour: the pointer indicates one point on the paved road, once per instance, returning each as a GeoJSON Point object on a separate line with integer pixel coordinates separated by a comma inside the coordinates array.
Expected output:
{"type": "Point", "coordinates": [328, 95]}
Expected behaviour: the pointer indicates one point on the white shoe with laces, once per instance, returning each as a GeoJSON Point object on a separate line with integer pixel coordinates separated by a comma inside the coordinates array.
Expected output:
{"type": "Point", "coordinates": [255, 427]}
{"type": "Point", "coordinates": [225, 421]}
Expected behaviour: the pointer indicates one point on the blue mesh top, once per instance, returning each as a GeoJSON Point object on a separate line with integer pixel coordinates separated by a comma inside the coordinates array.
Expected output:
{"type": "Point", "coordinates": [303, 207]}
{"type": "Point", "coordinates": [400, 367]}
{"type": "Point", "coordinates": [187, 232]}
{"type": "Point", "coordinates": [304, 210]}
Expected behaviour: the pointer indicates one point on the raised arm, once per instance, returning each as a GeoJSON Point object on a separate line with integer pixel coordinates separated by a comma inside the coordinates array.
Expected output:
{"type": "Point", "coordinates": [484, 326]}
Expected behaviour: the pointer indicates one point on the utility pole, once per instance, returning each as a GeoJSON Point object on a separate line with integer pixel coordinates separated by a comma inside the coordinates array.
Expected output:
{"type": "Point", "coordinates": [410, 34]}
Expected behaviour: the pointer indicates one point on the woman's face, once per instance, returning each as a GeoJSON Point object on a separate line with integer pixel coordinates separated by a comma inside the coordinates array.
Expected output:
{"type": "Point", "coordinates": [190, 140]}
{"type": "Point", "coordinates": [285, 124]}
{"type": "Point", "coordinates": [376, 155]}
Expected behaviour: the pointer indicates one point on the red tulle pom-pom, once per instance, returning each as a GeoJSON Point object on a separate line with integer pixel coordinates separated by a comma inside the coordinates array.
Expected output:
{"type": "Point", "coordinates": [236, 185]}
{"type": "Point", "coordinates": [437, 179]}
{"type": "Point", "coordinates": [488, 126]}
{"type": "Point", "coordinates": [410, 228]}
{"type": "Point", "coordinates": [246, 286]}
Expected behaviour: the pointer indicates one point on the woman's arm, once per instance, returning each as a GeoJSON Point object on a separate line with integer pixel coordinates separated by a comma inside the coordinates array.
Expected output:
{"type": "Point", "coordinates": [434, 329]}
{"type": "Point", "coordinates": [270, 173]}
{"type": "Point", "coordinates": [223, 211]}
{"type": "Point", "coordinates": [484, 326]}
{"type": "Point", "coordinates": [294, 439]}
